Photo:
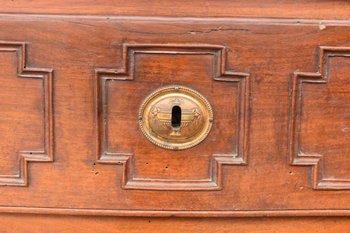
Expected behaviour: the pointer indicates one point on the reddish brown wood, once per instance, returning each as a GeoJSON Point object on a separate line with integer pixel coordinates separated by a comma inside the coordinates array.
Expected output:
{"type": "Point", "coordinates": [27, 136]}
{"type": "Point", "coordinates": [41, 223]}
{"type": "Point", "coordinates": [131, 85]}
{"type": "Point", "coordinates": [301, 9]}
{"type": "Point", "coordinates": [326, 113]}
{"type": "Point", "coordinates": [73, 77]}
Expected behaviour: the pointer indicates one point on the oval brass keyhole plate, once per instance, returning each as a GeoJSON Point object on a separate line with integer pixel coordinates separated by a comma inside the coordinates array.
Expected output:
{"type": "Point", "coordinates": [175, 117]}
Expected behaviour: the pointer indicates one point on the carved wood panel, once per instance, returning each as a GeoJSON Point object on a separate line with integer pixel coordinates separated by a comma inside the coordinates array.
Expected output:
{"type": "Point", "coordinates": [104, 67]}
{"type": "Point", "coordinates": [26, 121]}
{"type": "Point", "coordinates": [320, 119]}
{"type": "Point", "coordinates": [119, 119]}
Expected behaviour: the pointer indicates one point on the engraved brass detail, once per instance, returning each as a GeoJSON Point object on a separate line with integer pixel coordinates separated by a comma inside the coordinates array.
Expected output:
{"type": "Point", "coordinates": [175, 117]}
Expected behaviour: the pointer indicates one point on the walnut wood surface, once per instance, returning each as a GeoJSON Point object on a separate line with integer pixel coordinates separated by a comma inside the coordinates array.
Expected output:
{"type": "Point", "coordinates": [72, 79]}
{"type": "Point", "coordinates": [301, 9]}
{"type": "Point", "coordinates": [41, 223]}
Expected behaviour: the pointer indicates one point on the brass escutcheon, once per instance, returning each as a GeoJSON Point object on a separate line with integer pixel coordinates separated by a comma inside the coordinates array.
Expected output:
{"type": "Point", "coordinates": [175, 117]}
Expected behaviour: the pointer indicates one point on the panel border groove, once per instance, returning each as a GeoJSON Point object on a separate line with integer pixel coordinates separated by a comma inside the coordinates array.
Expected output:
{"type": "Point", "coordinates": [296, 156]}
{"type": "Point", "coordinates": [41, 155]}
{"type": "Point", "coordinates": [126, 73]}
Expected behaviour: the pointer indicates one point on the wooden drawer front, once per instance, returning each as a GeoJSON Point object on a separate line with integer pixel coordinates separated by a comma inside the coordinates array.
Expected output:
{"type": "Point", "coordinates": [72, 86]}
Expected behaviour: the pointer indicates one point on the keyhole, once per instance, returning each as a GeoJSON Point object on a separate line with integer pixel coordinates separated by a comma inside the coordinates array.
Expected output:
{"type": "Point", "coordinates": [176, 117]}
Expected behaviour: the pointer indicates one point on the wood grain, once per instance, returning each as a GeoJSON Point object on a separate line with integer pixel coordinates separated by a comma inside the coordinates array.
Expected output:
{"type": "Point", "coordinates": [67, 224]}
{"type": "Point", "coordinates": [117, 113]}
{"type": "Point", "coordinates": [27, 119]}
{"type": "Point", "coordinates": [80, 45]}
{"type": "Point", "coordinates": [325, 115]}
{"type": "Point", "coordinates": [300, 9]}
{"type": "Point", "coordinates": [277, 77]}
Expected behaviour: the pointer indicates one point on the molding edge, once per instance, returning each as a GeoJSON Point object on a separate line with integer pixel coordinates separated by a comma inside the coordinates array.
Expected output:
{"type": "Point", "coordinates": [126, 73]}
{"type": "Point", "coordinates": [296, 156]}
{"type": "Point", "coordinates": [46, 75]}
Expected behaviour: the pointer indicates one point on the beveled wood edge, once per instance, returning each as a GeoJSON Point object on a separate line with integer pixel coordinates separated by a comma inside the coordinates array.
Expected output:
{"type": "Point", "coordinates": [46, 153]}
{"type": "Point", "coordinates": [249, 8]}
{"type": "Point", "coordinates": [296, 156]}
{"type": "Point", "coordinates": [237, 20]}
{"type": "Point", "coordinates": [126, 73]}
{"type": "Point", "coordinates": [175, 213]}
